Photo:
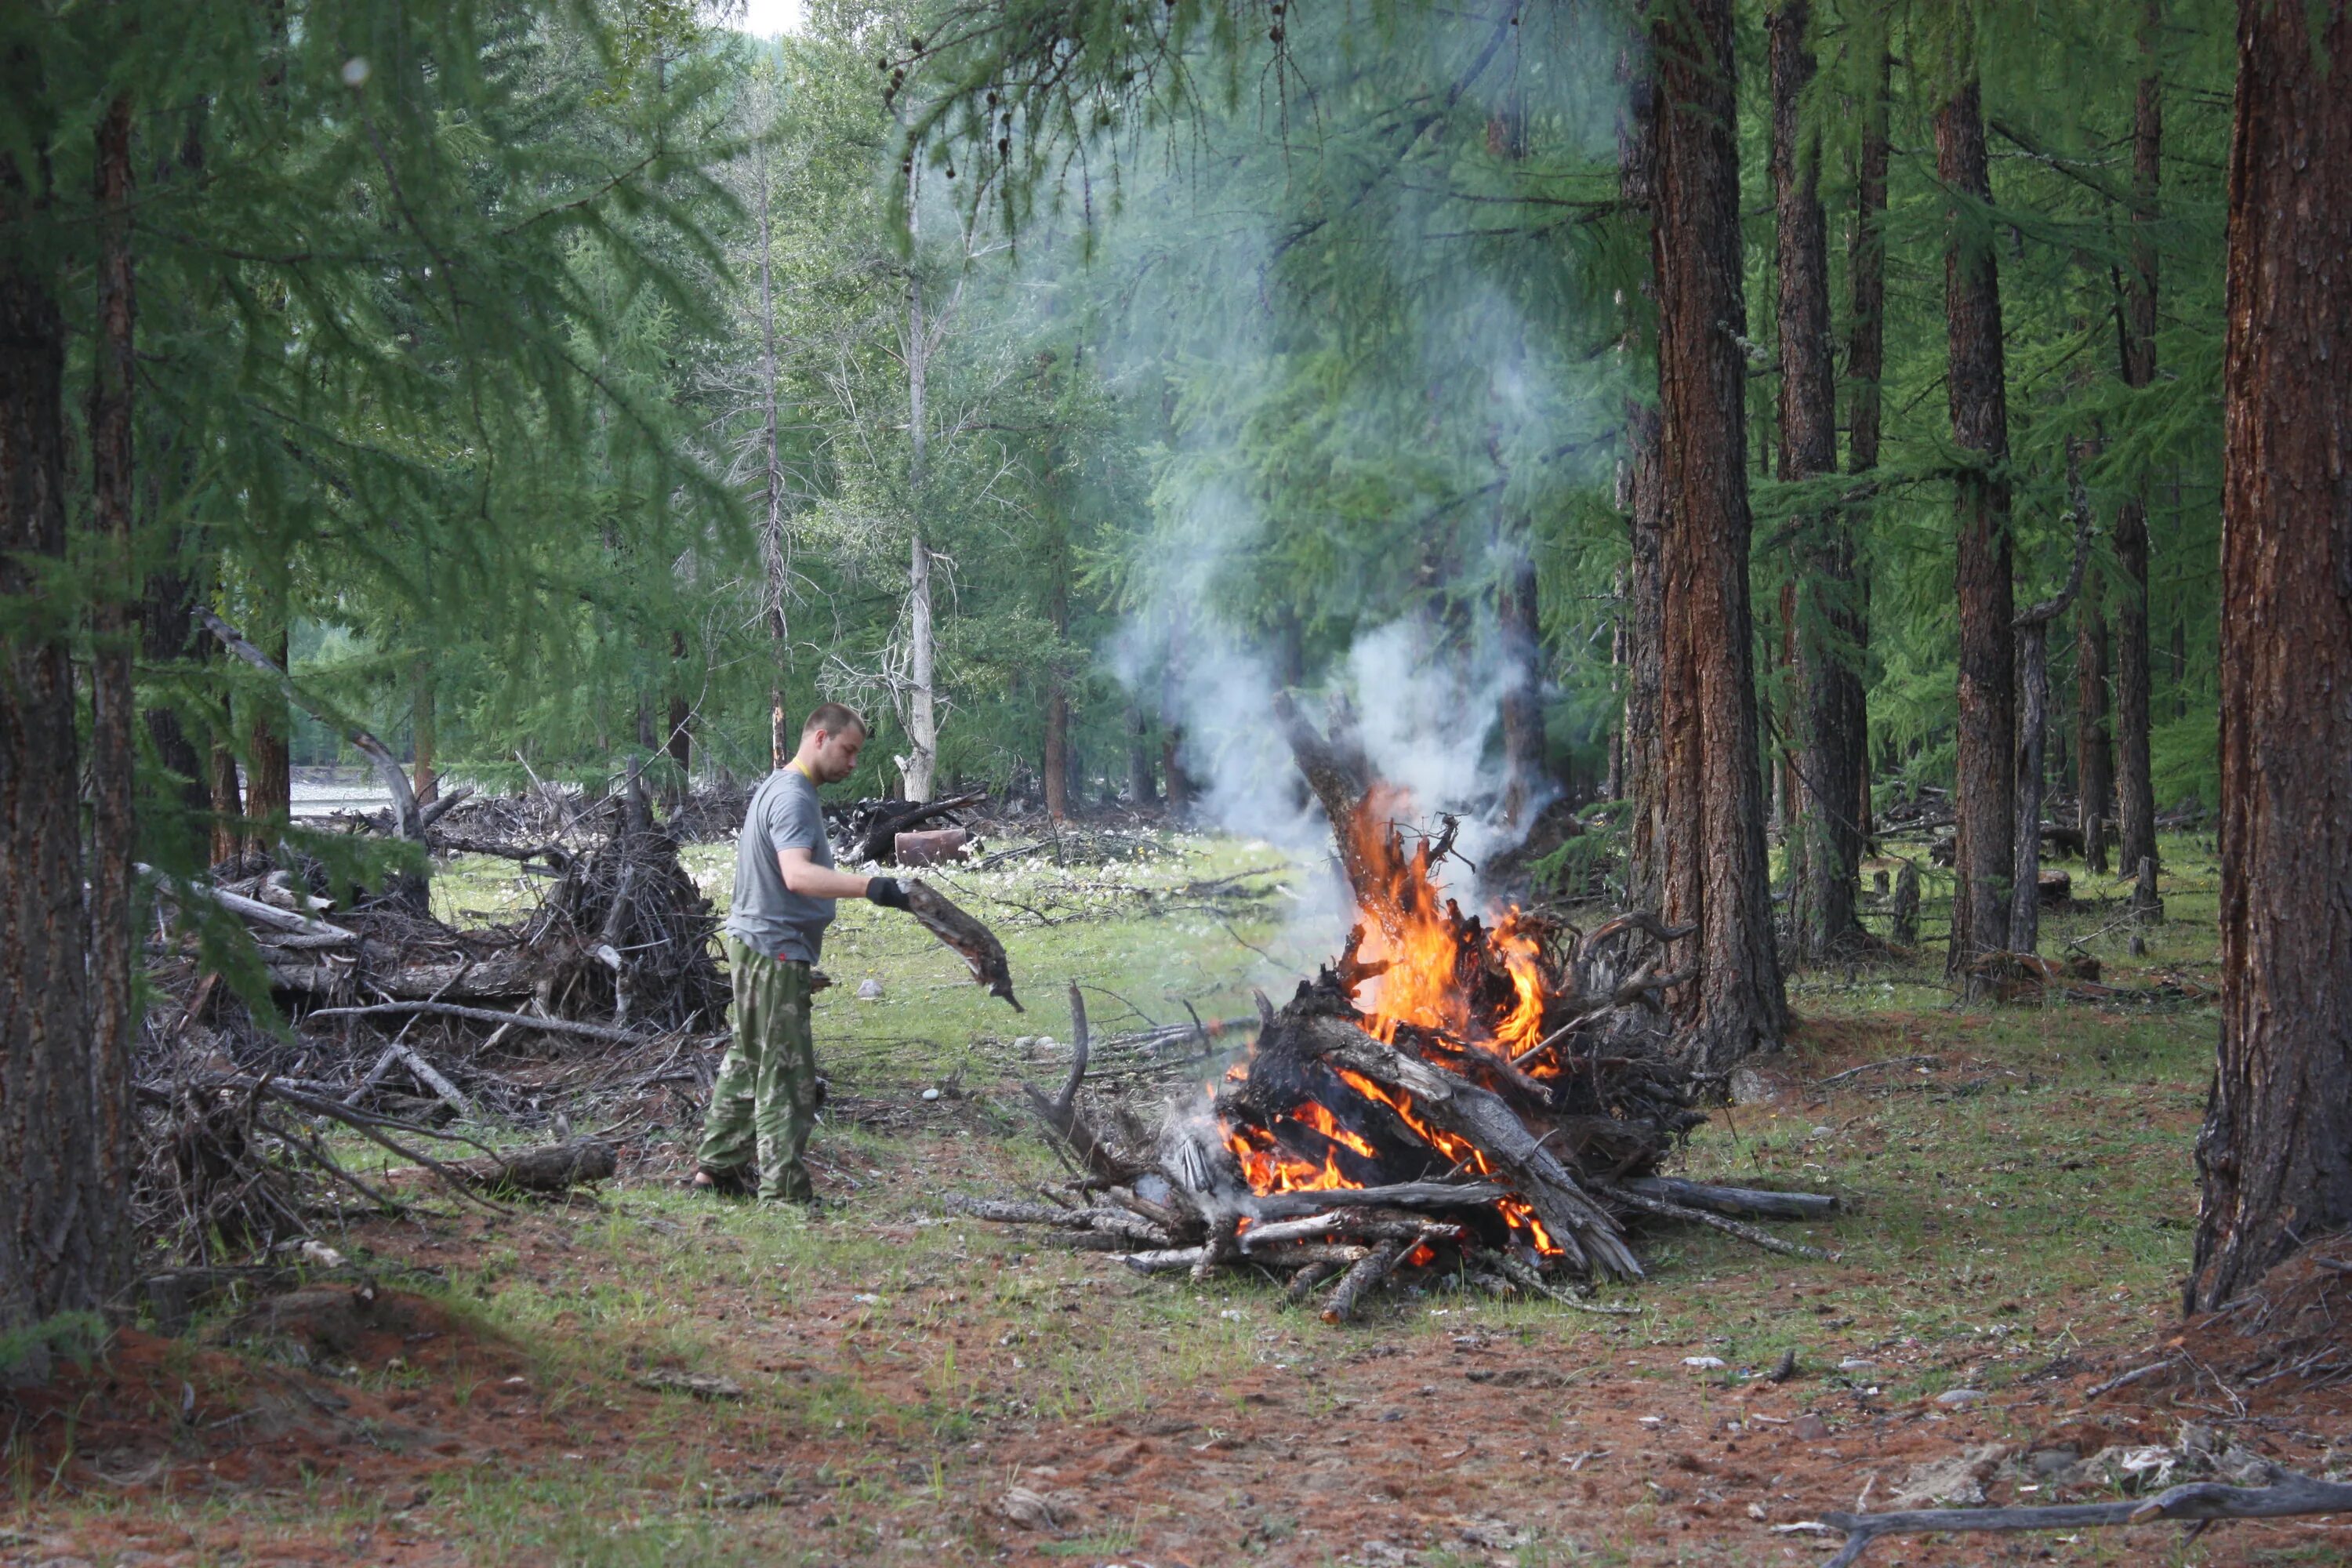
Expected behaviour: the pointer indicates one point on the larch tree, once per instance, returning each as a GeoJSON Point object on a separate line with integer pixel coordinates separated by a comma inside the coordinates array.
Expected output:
{"type": "Point", "coordinates": [53, 1236]}
{"type": "Point", "coordinates": [2275, 1153]}
{"type": "Point", "coordinates": [1716, 877]}
{"type": "Point", "coordinates": [1825, 838]}
{"type": "Point", "coordinates": [2136, 335]}
{"type": "Point", "coordinates": [1865, 351]}
{"type": "Point", "coordinates": [1977, 395]}
{"type": "Point", "coordinates": [243, 397]}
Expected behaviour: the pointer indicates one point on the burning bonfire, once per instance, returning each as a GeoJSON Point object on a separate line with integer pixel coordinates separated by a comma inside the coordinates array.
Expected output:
{"type": "Point", "coordinates": [1489, 1098]}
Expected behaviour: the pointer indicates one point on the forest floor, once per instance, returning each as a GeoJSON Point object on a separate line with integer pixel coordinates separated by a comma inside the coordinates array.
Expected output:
{"type": "Point", "coordinates": [877, 1382]}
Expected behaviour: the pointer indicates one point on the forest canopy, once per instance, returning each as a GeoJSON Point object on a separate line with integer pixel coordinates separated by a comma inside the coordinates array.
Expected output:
{"type": "Point", "coordinates": [1249, 355]}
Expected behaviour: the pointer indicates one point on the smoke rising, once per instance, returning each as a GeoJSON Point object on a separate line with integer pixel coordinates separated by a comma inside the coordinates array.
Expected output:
{"type": "Point", "coordinates": [1363, 435]}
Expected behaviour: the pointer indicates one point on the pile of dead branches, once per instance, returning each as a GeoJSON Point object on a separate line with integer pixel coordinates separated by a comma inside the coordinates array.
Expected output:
{"type": "Point", "coordinates": [405, 1031]}
{"type": "Point", "coordinates": [618, 947]}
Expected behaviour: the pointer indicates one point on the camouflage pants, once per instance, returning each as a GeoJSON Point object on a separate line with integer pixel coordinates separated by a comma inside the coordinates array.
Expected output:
{"type": "Point", "coordinates": [764, 1103]}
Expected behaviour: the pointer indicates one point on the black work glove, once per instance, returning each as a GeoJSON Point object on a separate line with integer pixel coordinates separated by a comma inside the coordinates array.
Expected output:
{"type": "Point", "coordinates": [887, 891]}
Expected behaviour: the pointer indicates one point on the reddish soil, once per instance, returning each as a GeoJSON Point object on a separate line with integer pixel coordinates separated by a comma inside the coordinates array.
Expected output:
{"type": "Point", "coordinates": [1468, 1442]}
{"type": "Point", "coordinates": [1424, 1435]}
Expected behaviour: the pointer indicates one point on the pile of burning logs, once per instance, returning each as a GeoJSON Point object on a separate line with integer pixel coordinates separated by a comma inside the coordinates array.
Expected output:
{"type": "Point", "coordinates": [1489, 1101]}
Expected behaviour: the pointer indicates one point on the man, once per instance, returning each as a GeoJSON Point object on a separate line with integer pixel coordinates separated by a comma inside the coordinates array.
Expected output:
{"type": "Point", "coordinates": [765, 1101]}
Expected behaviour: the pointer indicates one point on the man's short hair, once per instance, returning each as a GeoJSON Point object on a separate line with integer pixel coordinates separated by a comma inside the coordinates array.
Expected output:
{"type": "Point", "coordinates": [833, 718]}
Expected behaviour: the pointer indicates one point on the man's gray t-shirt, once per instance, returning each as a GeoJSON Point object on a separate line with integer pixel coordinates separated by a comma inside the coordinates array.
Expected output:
{"type": "Point", "coordinates": [785, 814]}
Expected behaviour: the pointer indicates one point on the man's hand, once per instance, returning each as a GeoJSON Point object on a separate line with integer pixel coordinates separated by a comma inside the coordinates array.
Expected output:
{"type": "Point", "coordinates": [887, 891]}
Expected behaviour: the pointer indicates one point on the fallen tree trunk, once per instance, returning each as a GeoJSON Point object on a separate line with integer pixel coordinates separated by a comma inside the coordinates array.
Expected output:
{"type": "Point", "coordinates": [879, 841]}
{"type": "Point", "coordinates": [2196, 1500]}
{"type": "Point", "coordinates": [497, 975]}
{"type": "Point", "coordinates": [554, 1168]}
{"type": "Point", "coordinates": [1741, 1203]}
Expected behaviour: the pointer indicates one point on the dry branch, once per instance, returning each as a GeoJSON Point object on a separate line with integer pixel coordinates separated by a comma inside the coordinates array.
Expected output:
{"type": "Point", "coordinates": [1401, 1196]}
{"type": "Point", "coordinates": [2196, 1500]}
{"type": "Point", "coordinates": [488, 1016]}
{"type": "Point", "coordinates": [1739, 1202]}
{"type": "Point", "coordinates": [1368, 1271]}
{"type": "Point", "coordinates": [1747, 1233]}
{"type": "Point", "coordinates": [1586, 1231]}
{"type": "Point", "coordinates": [1062, 1114]}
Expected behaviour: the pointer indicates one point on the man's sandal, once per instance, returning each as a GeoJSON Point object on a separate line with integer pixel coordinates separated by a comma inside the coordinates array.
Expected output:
{"type": "Point", "coordinates": [742, 1182]}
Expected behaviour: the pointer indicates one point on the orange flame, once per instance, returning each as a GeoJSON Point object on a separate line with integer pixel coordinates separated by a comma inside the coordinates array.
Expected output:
{"type": "Point", "coordinates": [1320, 1119]}
{"type": "Point", "coordinates": [1270, 1168]}
{"type": "Point", "coordinates": [1437, 973]}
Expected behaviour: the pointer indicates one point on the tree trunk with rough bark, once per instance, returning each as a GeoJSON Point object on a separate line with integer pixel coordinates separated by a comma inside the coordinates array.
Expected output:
{"type": "Point", "coordinates": [1981, 863]}
{"type": "Point", "coordinates": [2136, 328]}
{"type": "Point", "coordinates": [680, 744]}
{"type": "Point", "coordinates": [1825, 841]}
{"type": "Point", "coordinates": [227, 804]}
{"type": "Point", "coordinates": [52, 1206]}
{"type": "Point", "coordinates": [167, 625]}
{"type": "Point", "coordinates": [114, 926]}
{"type": "Point", "coordinates": [1866, 362]}
{"type": "Point", "coordinates": [1518, 620]}
{"type": "Point", "coordinates": [269, 755]}
{"type": "Point", "coordinates": [2033, 718]}
{"type": "Point", "coordinates": [1142, 783]}
{"type": "Point", "coordinates": [1641, 497]}
{"type": "Point", "coordinates": [1056, 776]}
{"type": "Point", "coordinates": [1172, 719]}
{"type": "Point", "coordinates": [1716, 877]}
{"type": "Point", "coordinates": [167, 636]}
{"type": "Point", "coordinates": [2094, 769]}
{"type": "Point", "coordinates": [1613, 786]}
{"type": "Point", "coordinates": [2275, 1154]}
{"type": "Point", "coordinates": [424, 731]}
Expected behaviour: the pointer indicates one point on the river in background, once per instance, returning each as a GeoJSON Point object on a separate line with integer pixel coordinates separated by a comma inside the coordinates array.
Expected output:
{"type": "Point", "coordinates": [322, 792]}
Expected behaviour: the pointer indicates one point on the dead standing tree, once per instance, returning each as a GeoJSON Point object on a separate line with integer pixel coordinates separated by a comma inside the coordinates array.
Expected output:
{"type": "Point", "coordinates": [2033, 718]}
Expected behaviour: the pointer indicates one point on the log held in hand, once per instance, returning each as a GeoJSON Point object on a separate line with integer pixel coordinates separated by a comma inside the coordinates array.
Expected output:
{"type": "Point", "coordinates": [973, 941]}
